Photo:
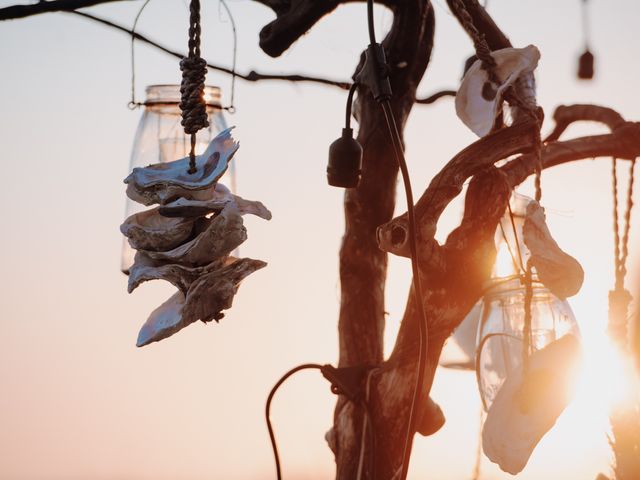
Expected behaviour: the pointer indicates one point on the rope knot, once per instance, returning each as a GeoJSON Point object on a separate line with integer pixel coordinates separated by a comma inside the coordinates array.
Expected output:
{"type": "Point", "coordinates": [193, 106]}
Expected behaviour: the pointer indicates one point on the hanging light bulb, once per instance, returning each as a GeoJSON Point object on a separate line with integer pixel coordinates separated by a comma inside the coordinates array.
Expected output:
{"type": "Point", "coordinates": [160, 138]}
{"type": "Point", "coordinates": [501, 347]}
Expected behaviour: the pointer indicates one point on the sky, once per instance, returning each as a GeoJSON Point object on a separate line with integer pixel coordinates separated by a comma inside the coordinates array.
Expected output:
{"type": "Point", "coordinates": [78, 399]}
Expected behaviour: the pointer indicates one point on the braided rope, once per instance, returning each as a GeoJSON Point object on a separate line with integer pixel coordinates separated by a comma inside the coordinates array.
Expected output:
{"type": "Point", "coordinates": [194, 71]}
{"type": "Point", "coordinates": [625, 237]}
{"type": "Point", "coordinates": [621, 247]}
{"type": "Point", "coordinates": [616, 226]}
{"type": "Point", "coordinates": [526, 333]}
{"type": "Point", "coordinates": [538, 170]}
{"type": "Point", "coordinates": [483, 52]}
{"type": "Point", "coordinates": [619, 298]}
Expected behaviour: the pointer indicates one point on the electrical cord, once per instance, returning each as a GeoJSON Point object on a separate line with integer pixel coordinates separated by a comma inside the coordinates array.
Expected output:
{"type": "Point", "coordinates": [378, 83]}
{"type": "Point", "coordinates": [306, 366]}
{"type": "Point", "coordinates": [352, 90]}
{"type": "Point", "coordinates": [328, 371]}
{"type": "Point", "coordinates": [423, 345]}
{"type": "Point", "coordinates": [370, 25]}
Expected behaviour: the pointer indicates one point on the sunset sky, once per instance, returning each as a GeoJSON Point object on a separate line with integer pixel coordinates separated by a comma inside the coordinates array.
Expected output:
{"type": "Point", "coordinates": [78, 400]}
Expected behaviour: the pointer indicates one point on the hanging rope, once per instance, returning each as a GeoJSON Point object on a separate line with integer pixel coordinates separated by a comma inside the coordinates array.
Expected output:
{"type": "Point", "coordinates": [483, 52]}
{"type": "Point", "coordinates": [194, 71]}
{"type": "Point", "coordinates": [619, 297]}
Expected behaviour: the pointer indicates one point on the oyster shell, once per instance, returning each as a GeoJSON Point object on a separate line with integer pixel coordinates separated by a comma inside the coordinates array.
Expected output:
{"type": "Point", "coordinates": [145, 269]}
{"type": "Point", "coordinates": [527, 406]}
{"type": "Point", "coordinates": [477, 105]}
{"type": "Point", "coordinates": [148, 230]}
{"type": "Point", "coordinates": [224, 233]}
{"type": "Point", "coordinates": [557, 270]}
{"type": "Point", "coordinates": [164, 182]}
{"type": "Point", "coordinates": [183, 207]}
{"type": "Point", "coordinates": [205, 299]}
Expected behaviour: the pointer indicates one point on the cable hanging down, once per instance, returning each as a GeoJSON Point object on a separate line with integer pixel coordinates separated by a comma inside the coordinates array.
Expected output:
{"type": "Point", "coordinates": [375, 75]}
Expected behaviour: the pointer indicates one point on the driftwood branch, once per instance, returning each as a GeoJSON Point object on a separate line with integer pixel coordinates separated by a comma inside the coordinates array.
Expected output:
{"type": "Point", "coordinates": [566, 115]}
{"type": "Point", "coordinates": [623, 143]}
{"type": "Point", "coordinates": [436, 96]}
{"type": "Point", "coordinates": [252, 76]}
{"type": "Point", "coordinates": [22, 11]}
{"type": "Point", "coordinates": [495, 38]}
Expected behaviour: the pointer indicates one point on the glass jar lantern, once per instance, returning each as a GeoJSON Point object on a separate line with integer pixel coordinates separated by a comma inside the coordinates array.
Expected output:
{"type": "Point", "coordinates": [160, 138]}
{"type": "Point", "coordinates": [500, 348]}
{"type": "Point", "coordinates": [500, 341]}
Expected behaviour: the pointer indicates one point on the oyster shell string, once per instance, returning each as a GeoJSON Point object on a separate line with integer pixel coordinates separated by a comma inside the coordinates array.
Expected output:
{"type": "Point", "coordinates": [194, 71]}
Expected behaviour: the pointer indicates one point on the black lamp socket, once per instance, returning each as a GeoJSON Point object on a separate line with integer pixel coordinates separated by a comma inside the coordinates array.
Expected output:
{"type": "Point", "coordinates": [585, 66]}
{"type": "Point", "coordinates": [345, 161]}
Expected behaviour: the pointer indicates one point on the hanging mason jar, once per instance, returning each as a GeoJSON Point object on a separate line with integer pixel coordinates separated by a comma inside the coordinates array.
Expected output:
{"type": "Point", "coordinates": [459, 352]}
{"type": "Point", "coordinates": [501, 332]}
{"type": "Point", "coordinates": [160, 138]}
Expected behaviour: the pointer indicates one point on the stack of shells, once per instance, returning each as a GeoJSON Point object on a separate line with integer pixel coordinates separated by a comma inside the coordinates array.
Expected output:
{"type": "Point", "coordinates": [188, 237]}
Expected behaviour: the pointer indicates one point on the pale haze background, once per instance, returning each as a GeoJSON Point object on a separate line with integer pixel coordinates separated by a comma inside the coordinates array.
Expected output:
{"type": "Point", "coordinates": [78, 400]}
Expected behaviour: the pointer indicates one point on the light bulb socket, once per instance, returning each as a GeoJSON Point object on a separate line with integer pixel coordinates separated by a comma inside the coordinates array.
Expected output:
{"type": "Point", "coordinates": [585, 65]}
{"type": "Point", "coordinates": [345, 161]}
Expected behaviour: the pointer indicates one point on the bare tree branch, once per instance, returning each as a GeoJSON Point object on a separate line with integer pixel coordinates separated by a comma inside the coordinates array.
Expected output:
{"type": "Point", "coordinates": [252, 76]}
{"type": "Point", "coordinates": [436, 96]}
{"type": "Point", "coordinates": [69, 6]}
{"type": "Point", "coordinates": [495, 38]}
{"type": "Point", "coordinates": [623, 143]}
{"type": "Point", "coordinates": [566, 115]}
{"type": "Point", "coordinates": [21, 11]}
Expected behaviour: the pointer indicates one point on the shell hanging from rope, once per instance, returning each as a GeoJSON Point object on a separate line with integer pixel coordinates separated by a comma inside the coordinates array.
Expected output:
{"type": "Point", "coordinates": [206, 298]}
{"type": "Point", "coordinates": [187, 240]}
{"type": "Point", "coordinates": [149, 230]}
{"type": "Point", "coordinates": [184, 207]}
{"type": "Point", "coordinates": [165, 182]}
{"type": "Point", "coordinates": [479, 101]}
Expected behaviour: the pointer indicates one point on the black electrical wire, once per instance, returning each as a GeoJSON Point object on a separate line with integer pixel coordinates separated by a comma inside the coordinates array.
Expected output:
{"type": "Point", "coordinates": [284, 378]}
{"type": "Point", "coordinates": [306, 366]}
{"type": "Point", "coordinates": [423, 328]}
{"type": "Point", "coordinates": [352, 90]}
{"type": "Point", "coordinates": [371, 28]}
